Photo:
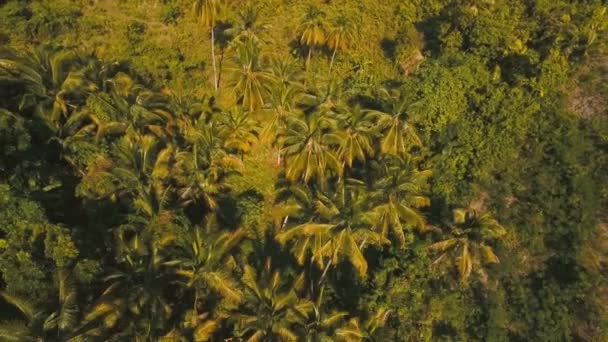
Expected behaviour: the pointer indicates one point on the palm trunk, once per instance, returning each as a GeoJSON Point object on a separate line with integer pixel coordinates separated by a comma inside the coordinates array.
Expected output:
{"type": "Point", "coordinates": [213, 57]}
{"type": "Point", "coordinates": [333, 55]}
{"type": "Point", "coordinates": [362, 244]}
{"type": "Point", "coordinates": [325, 271]}
{"type": "Point", "coordinates": [308, 59]}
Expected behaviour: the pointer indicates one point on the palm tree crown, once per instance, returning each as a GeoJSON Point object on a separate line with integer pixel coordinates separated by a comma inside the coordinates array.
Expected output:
{"type": "Point", "coordinates": [312, 28]}
{"type": "Point", "coordinates": [469, 243]}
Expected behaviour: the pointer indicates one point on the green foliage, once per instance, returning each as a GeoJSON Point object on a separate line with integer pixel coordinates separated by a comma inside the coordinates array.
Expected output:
{"type": "Point", "coordinates": [30, 244]}
{"type": "Point", "coordinates": [290, 170]}
{"type": "Point", "coordinates": [135, 31]}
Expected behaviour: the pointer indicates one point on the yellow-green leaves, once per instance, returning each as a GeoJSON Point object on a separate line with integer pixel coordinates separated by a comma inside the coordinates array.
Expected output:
{"type": "Point", "coordinates": [208, 11]}
{"type": "Point", "coordinates": [468, 243]}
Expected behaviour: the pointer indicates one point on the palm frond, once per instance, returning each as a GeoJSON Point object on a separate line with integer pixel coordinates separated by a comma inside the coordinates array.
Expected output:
{"type": "Point", "coordinates": [26, 308]}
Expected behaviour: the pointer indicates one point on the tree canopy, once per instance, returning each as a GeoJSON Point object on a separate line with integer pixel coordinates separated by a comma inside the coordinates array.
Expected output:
{"type": "Point", "coordinates": [346, 170]}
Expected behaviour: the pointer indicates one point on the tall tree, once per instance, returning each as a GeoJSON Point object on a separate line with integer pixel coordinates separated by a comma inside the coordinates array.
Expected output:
{"type": "Point", "coordinates": [52, 81]}
{"type": "Point", "coordinates": [134, 301]}
{"type": "Point", "coordinates": [204, 260]}
{"type": "Point", "coordinates": [321, 322]}
{"type": "Point", "coordinates": [248, 27]}
{"type": "Point", "coordinates": [272, 310]}
{"type": "Point", "coordinates": [209, 11]}
{"type": "Point", "coordinates": [469, 243]}
{"type": "Point", "coordinates": [398, 193]}
{"type": "Point", "coordinates": [40, 325]}
{"type": "Point", "coordinates": [312, 30]}
{"type": "Point", "coordinates": [339, 228]}
{"type": "Point", "coordinates": [239, 130]}
{"type": "Point", "coordinates": [281, 107]}
{"type": "Point", "coordinates": [356, 331]}
{"type": "Point", "coordinates": [308, 148]}
{"type": "Point", "coordinates": [251, 82]}
{"type": "Point", "coordinates": [399, 135]}
{"type": "Point", "coordinates": [340, 36]}
{"type": "Point", "coordinates": [356, 134]}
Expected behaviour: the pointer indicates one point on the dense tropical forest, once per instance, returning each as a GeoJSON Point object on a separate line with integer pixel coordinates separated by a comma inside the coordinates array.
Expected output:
{"type": "Point", "coordinates": [303, 170]}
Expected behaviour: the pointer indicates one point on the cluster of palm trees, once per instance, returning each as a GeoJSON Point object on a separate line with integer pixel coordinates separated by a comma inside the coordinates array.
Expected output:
{"type": "Point", "coordinates": [316, 33]}
{"type": "Point", "coordinates": [350, 181]}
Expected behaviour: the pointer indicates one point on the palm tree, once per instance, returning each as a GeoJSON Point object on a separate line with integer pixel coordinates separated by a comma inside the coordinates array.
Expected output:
{"type": "Point", "coordinates": [125, 105]}
{"type": "Point", "coordinates": [238, 130]}
{"type": "Point", "coordinates": [398, 135]}
{"type": "Point", "coordinates": [203, 260]}
{"type": "Point", "coordinates": [356, 133]}
{"type": "Point", "coordinates": [209, 11]}
{"type": "Point", "coordinates": [202, 163]}
{"type": "Point", "coordinates": [340, 227]}
{"type": "Point", "coordinates": [281, 107]}
{"type": "Point", "coordinates": [272, 310]}
{"type": "Point", "coordinates": [320, 324]}
{"type": "Point", "coordinates": [340, 36]}
{"type": "Point", "coordinates": [354, 331]}
{"type": "Point", "coordinates": [52, 82]}
{"type": "Point", "coordinates": [251, 83]}
{"type": "Point", "coordinates": [287, 72]}
{"type": "Point", "coordinates": [326, 96]}
{"type": "Point", "coordinates": [247, 28]}
{"type": "Point", "coordinates": [20, 330]}
{"type": "Point", "coordinates": [138, 170]}
{"type": "Point", "coordinates": [201, 328]}
{"type": "Point", "coordinates": [308, 148]}
{"type": "Point", "coordinates": [397, 195]}
{"type": "Point", "coordinates": [134, 300]}
{"type": "Point", "coordinates": [312, 28]}
{"type": "Point", "coordinates": [469, 243]}
{"type": "Point", "coordinates": [201, 169]}
{"type": "Point", "coordinates": [59, 325]}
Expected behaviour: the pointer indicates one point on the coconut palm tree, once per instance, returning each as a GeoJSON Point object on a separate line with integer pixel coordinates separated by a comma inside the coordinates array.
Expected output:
{"type": "Point", "coordinates": [134, 301]}
{"type": "Point", "coordinates": [125, 105]}
{"type": "Point", "coordinates": [201, 169]}
{"type": "Point", "coordinates": [137, 169]}
{"type": "Point", "coordinates": [239, 130]}
{"type": "Point", "coordinates": [340, 36]}
{"type": "Point", "coordinates": [312, 30]}
{"type": "Point", "coordinates": [356, 134]}
{"type": "Point", "coordinates": [204, 261]}
{"type": "Point", "coordinates": [59, 325]}
{"type": "Point", "coordinates": [321, 324]}
{"type": "Point", "coordinates": [250, 81]}
{"type": "Point", "coordinates": [272, 310]}
{"type": "Point", "coordinates": [209, 12]}
{"type": "Point", "coordinates": [287, 72]}
{"type": "Point", "coordinates": [340, 228]}
{"type": "Point", "coordinates": [199, 128]}
{"type": "Point", "coordinates": [355, 331]}
{"type": "Point", "coordinates": [248, 28]}
{"type": "Point", "coordinates": [398, 134]}
{"type": "Point", "coordinates": [308, 148]}
{"type": "Point", "coordinates": [202, 162]}
{"type": "Point", "coordinates": [325, 96]}
{"type": "Point", "coordinates": [397, 194]}
{"type": "Point", "coordinates": [21, 330]}
{"type": "Point", "coordinates": [52, 82]}
{"type": "Point", "coordinates": [281, 107]}
{"type": "Point", "coordinates": [469, 243]}
{"type": "Point", "coordinates": [198, 327]}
